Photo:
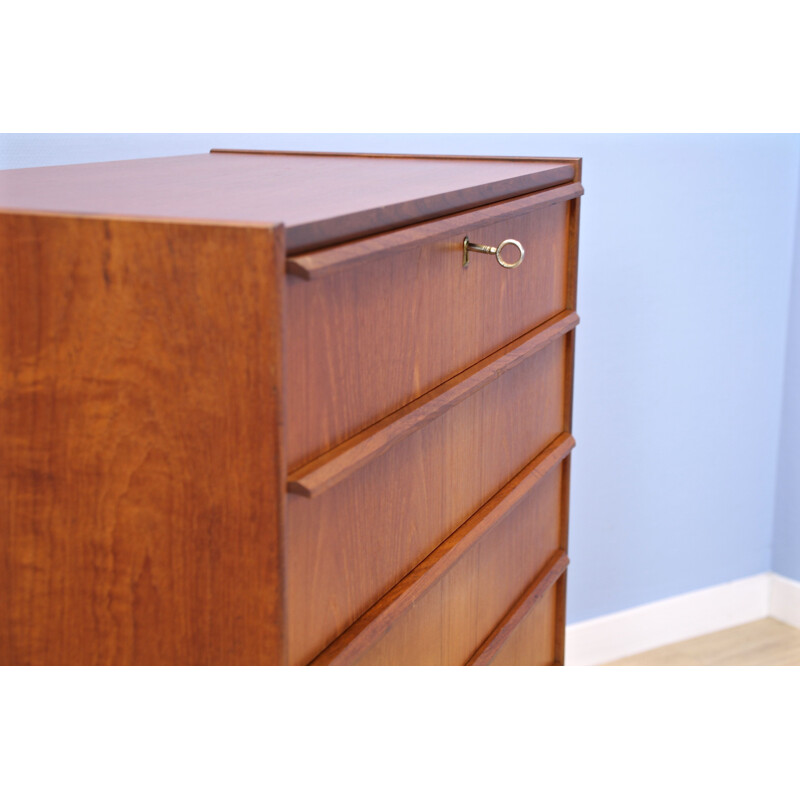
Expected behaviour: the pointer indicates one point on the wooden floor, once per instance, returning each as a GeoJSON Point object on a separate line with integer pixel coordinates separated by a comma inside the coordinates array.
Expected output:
{"type": "Point", "coordinates": [766, 642]}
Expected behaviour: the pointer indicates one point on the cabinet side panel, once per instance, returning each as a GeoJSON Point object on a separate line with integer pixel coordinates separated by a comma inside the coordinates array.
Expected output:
{"type": "Point", "coordinates": [571, 302]}
{"type": "Point", "coordinates": [141, 478]}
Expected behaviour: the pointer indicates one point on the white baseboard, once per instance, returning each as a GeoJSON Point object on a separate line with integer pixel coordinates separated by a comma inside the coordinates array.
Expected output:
{"type": "Point", "coordinates": [784, 600]}
{"type": "Point", "coordinates": [608, 638]}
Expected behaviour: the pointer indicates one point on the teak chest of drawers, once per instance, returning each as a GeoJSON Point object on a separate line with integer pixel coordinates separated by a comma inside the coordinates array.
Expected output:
{"type": "Point", "coordinates": [256, 409]}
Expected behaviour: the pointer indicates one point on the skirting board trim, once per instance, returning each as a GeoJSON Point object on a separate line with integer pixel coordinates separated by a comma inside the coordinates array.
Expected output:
{"type": "Point", "coordinates": [784, 600]}
{"type": "Point", "coordinates": [635, 630]}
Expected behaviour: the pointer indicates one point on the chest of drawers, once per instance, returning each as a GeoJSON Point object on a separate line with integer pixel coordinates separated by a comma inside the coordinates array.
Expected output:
{"type": "Point", "coordinates": [270, 408]}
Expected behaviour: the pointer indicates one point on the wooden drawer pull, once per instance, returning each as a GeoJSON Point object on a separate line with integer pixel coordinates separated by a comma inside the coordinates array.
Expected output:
{"type": "Point", "coordinates": [329, 469]}
{"type": "Point", "coordinates": [375, 622]}
{"type": "Point", "coordinates": [323, 263]}
{"type": "Point", "coordinates": [543, 582]}
{"type": "Point", "coordinates": [494, 251]}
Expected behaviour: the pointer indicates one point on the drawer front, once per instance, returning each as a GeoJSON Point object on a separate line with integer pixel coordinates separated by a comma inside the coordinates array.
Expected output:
{"type": "Point", "coordinates": [350, 544]}
{"type": "Point", "coordinates": [383, 329]}
{"type": "Point", "coordinates": [450, 621]}
{"type": "Point", "coordinates": [533, 640]}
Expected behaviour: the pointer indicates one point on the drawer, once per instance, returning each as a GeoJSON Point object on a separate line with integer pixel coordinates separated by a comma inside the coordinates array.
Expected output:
{"type": "Point", "coordinates": [453, 603]}
{"type": "Point", "coordinates": [351, 541]}
{"type": "Point", "coordinates": [532, 641]}
{"type": "Point", "coordinates": [373, 325]}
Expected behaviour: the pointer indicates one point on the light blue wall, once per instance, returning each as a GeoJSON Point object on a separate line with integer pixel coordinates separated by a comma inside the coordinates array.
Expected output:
{"type": "Point", "coordinates": [685, 265]}
{"type": "Point", "coordinates": [786, 546]}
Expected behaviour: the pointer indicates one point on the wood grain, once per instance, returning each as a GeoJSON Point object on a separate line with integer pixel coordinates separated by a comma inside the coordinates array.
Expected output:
{"type": "Point", "coordinates": [328, 470]}
{"type": "Point", "coordinates": [320, 199]}
{"type": "Point", "coordinates": [575, 162]}
{"type": "Point", "coordinates": [763, 643]}
{"type": "Point", "coordinates": [449, 622]}
{"type": "Point", "coordinates": [561, 587]}
{"type": "Point", "coordinates": [160, 375]}
{"type": "Point", "coordinates": [366, 341]}
{"type": "Point", "coordinates": [541, 585]}
{"type": "Point", "coordinates": [349, 546]}
{"type": "Point", "coordinates": [142, 470]}
{"type": "Point", "coordinates": [572, 298]}
{"type": "Point", "coordinates": [326, 262]}
{"type": "Point", "coordinates": [533, 642]}
{"type": "Point", "coordinates": [530, 501]}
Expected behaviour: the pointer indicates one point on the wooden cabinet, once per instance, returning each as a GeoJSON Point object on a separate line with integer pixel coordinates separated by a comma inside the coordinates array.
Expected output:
{"type": "Point", "coordinates": [254, 409]}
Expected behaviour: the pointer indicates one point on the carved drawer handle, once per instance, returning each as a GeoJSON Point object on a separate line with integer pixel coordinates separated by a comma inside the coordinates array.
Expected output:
{"type": "Point", "coordinates": [495, 251]}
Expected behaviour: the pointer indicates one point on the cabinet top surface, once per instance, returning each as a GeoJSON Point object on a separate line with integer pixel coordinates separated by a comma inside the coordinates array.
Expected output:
{"type": "Point", "coordinates": [321, 199]}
